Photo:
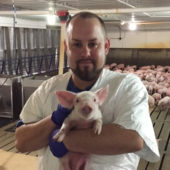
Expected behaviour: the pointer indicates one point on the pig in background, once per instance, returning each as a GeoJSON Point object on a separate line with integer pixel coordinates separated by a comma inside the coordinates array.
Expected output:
{"type": "Point", "coordinates": [164, 103]}
{"type": "Point", "coordinates": [85, 114]}
{"type": "Point", "coordinates": [155, 78]}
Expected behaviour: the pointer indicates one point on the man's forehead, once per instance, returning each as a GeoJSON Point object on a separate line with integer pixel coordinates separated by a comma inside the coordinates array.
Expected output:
{"type": "Point", "coordinates": [69, 28]}
{"type": "Point", "coordinates": [77, 40]}
{"type": "Point", "coordinates": [87, 27]}
{"type": "Point", "coordinates": [78, 21]}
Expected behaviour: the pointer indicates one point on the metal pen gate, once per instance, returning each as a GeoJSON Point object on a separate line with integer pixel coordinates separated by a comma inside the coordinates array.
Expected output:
{"type": "Point", "coordinates": [24, 52]}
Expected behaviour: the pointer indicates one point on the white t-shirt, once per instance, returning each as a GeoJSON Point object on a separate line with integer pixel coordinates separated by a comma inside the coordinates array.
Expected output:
{"type": "Point", "coordinates": [126, 105]}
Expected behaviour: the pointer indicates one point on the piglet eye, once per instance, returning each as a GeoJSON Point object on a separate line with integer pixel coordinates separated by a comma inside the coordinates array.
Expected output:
{"type": "Point", "coordinates": [77, 100]}
{"type": "Point", "coordinates": [94, 99]}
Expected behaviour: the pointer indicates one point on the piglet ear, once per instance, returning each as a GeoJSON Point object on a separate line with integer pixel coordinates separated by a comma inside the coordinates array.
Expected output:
{"type": "Point", "coordinates": [66, 98]}
{"type": "Point", "coordinates": [102, 94]}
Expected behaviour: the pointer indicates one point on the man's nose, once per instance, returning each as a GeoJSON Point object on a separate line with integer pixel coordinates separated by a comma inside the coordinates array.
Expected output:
{"type": "Point", "coordinates": [85, 51]}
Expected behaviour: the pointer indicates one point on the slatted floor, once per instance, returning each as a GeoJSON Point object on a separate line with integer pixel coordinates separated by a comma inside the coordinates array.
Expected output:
{"type": "Point", "coordinates": [7, 139]}
{"type": "Point", "coordinates": [161, 123]}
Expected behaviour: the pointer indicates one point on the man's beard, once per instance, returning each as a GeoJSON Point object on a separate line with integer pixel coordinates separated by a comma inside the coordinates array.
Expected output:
{"type": "Point", "coordinates": [86, 74]}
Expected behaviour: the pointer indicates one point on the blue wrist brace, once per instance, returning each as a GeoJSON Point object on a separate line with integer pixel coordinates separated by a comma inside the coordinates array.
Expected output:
{"type": "Point", "coordinates": [59, 115]}
{"type": "Point", "coordinates": [58, 149]}
{"type": "Point", "coordinates": [19, 123]}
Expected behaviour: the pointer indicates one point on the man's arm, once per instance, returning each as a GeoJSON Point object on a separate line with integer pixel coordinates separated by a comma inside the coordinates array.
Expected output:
{"type": "Point", "coordinates": [34, 136]}
{"type": "Point", "coordinates": [112, 141]}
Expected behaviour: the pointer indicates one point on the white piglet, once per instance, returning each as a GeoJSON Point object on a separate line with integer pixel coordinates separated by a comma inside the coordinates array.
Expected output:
{"type": "Point", "coordinates": [85, 110]}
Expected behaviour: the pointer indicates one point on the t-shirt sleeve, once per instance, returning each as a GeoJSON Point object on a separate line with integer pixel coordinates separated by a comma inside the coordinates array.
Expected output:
{"type": "Point", "coordinates": [132, 112]}
{"type": "Point", "coordinates": [33, 108]}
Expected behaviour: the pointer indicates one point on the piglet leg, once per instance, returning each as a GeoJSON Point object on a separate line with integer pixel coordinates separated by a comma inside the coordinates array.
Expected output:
{"type": "Point", "coordinates": [73, 161]}
{"type": "Point", "coordinates": [98, 126]}
{"type": "Point", "coordinates": [63, 131]}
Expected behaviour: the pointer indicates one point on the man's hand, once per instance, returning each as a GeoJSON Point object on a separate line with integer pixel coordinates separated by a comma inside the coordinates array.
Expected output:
{"type": "Point", "coordinates": [74, 161]}
{"type": "Point", "coordinates": [59, 115]}
{"type": "Point", "coordinates": [34, 136]}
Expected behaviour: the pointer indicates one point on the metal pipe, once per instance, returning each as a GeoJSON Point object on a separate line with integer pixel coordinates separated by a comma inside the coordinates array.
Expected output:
{"type": "Point", "coordinates": [28, 12]}
{"type": "Point", "coordinates": [97, 11]}
{"type": "Point", "coordinates": [123, 10]}
{"type": "Point", "coordinates": [126, 3]}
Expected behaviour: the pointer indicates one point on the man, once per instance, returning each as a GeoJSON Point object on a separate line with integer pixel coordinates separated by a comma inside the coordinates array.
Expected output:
{"type": "Point", "coordinates": [127, 133]}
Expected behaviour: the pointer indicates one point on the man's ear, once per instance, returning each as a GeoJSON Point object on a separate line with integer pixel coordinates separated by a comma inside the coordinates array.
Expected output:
{"type": "Point", "coordinates": [65, 46]}
{"type": "Point", "coordinates": [107, 46]}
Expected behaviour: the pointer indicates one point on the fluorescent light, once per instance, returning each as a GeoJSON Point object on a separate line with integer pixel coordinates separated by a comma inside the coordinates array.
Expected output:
{"type": "Point", "coordinates": [122, 23]}
{"type": "Point", "coordinates": [51, 19]}
{"type": "Point", "coordinates": [51, 9]}
{"type": "Point", "coordinates": [132, 26]}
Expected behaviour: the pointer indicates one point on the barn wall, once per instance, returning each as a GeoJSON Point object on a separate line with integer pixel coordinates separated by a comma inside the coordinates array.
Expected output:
{"type": "Point", "coordinates": [141, 47]}
{"type": "Point", "coordinates": [140, 39]}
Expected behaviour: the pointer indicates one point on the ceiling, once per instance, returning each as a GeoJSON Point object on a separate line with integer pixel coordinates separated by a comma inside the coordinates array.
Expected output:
{"type": "Point", "coordinates": [146, 12]}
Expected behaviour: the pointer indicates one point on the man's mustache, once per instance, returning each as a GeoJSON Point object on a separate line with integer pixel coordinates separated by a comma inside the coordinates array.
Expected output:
{"type": "Point", "coordinates": [82, 60]}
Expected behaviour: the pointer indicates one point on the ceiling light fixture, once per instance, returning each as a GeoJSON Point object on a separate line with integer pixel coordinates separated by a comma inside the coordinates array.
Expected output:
{"type": "Point", "coordinates": [122, 22]}
{"type": "Point", "coordinates": [51, 19]}
{"type": "Point", "coordinates": [132, 24]}
{"type": "Point", "coordinates": [51, 9]}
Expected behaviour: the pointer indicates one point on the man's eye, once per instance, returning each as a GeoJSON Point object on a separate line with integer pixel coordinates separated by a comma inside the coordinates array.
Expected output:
{"type": "Point", "coordinates": [91, 45]}
{"type": "Point", "coordinates": [78, 45]}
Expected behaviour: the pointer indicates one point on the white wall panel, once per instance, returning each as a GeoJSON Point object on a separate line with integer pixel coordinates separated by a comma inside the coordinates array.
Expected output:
{"type": "Point", "coordinates": [114, 39]}
{"type": "Point", "coordinates": [141, 39]}
{"type": "Point", "coordinates": [129, 39]}
{"type": "Point", "coordinates": [158, 39]}
{"type": "Point", "coordinates": [134, 39]}
{"type": "Point", "coordinates": [9, 22]}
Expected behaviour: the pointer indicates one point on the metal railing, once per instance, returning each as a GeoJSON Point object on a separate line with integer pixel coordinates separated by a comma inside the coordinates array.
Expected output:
{"type": "Point", "coordinates": [29, 65]}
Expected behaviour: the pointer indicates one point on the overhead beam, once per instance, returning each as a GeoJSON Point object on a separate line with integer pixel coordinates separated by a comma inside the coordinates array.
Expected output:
{"type": "Point", "coordinates": [26, 12]}
{"type": "Point", "coordinates": [123, 10]}
{"type": "Point", "coordinates": [97, 11]}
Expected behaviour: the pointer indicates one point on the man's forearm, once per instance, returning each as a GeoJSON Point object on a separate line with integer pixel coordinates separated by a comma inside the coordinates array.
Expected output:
{"type": "Point", "coordinates": [34, 136]}
{"type": "Point", "coordinates": [113, 140]}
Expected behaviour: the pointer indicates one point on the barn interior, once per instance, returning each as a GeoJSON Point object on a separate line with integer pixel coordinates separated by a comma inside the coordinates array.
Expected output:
{"type": "Point", "coordinates": [32, 50]}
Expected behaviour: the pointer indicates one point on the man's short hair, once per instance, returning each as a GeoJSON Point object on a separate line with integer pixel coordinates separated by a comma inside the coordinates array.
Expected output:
{"type": "Point", "coordinates": [86, 15]}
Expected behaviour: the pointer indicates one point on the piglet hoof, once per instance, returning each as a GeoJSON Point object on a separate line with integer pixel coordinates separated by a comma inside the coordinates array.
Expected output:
{"type": "Point", "coordinates": [59, 137]}
{"type": "Point", "coordinates": [97, 129]}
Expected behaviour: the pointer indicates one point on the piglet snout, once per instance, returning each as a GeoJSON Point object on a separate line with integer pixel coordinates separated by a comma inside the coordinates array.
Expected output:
{"type": "Point", "coordinates": [86, 110]}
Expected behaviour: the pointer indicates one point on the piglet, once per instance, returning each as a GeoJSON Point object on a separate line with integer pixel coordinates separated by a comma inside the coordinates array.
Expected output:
{"type": "Point", "coordinates": [164, 103]}
{"type": "Point", "coordinates": [151, 101]}
{"type": "Point", "coordinates": [85, 114]}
